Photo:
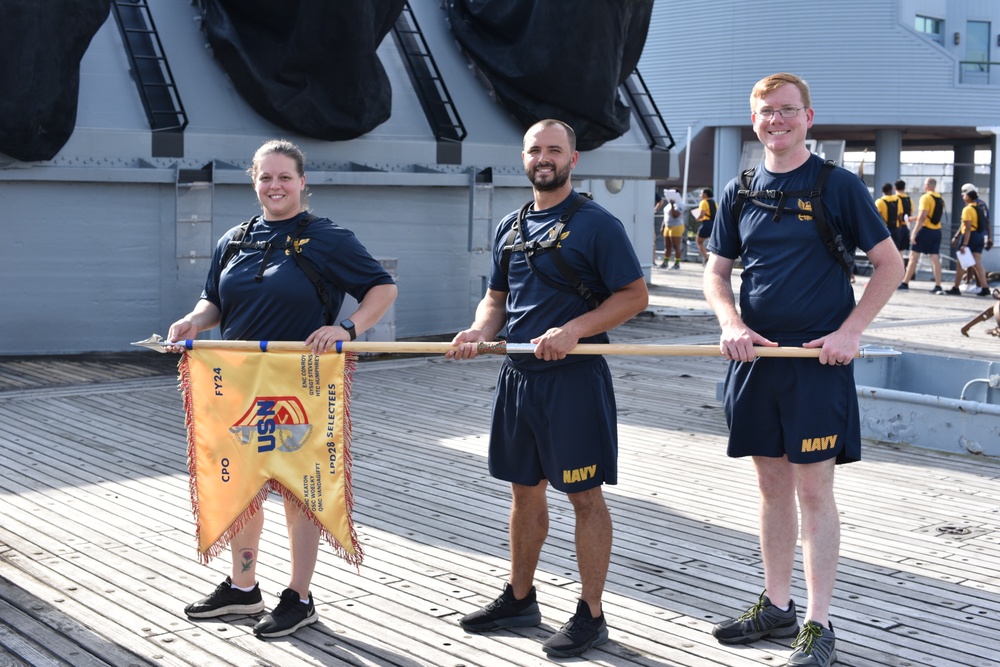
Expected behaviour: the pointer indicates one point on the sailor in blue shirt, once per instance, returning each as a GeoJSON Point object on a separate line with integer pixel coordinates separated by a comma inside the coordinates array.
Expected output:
{"type": "Point", "coordinates": [554, 415]}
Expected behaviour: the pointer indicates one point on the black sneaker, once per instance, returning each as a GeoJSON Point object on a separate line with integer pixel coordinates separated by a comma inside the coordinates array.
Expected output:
{"type": "Point", "coordinates": [226, 600]}
{"type": "Point", "coordinates": [954, 291]}
{"type": "Point", "coordinates": [814, 647]}
{"type": "Point", "coordinates": [504, 612]}
{"type": "Point", "coordinates": [985, 291]}
{"type": "Point", "coordinates": [937, 290]}
{"type": "Point", "coordinates": [759, 621]}
{"type": "Point", "coordinates": [903, 286]}
{"type": "Point", "coordinates": [290, 615]}
{"type": "Point", "coordinates": [580, 634]}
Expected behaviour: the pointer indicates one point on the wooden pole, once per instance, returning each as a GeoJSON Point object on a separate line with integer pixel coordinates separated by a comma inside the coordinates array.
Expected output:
{"type": "Point", "coordinates": [500, 348]}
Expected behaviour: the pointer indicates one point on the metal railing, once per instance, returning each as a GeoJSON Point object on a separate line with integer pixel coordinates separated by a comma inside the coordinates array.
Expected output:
{"type": "Point", "coordinates": [975, 71]}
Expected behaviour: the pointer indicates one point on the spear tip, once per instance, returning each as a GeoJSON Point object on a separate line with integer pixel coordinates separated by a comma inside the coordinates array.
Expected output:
{"type": "Point", "coordinates": [154, 342]}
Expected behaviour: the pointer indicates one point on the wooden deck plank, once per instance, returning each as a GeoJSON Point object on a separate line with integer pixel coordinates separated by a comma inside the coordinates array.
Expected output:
{"type": "Point", "coordinates": [97, 554]}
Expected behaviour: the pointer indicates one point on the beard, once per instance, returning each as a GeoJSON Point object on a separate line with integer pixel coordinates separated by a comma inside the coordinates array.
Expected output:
{"type": "Point", "coordinates": [557, 180]}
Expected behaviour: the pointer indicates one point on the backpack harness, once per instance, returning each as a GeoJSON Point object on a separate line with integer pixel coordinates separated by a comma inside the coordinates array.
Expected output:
{"type": "Point", "coordinates": [834, 244]}
{"type": "Point", "coordinates": [892, 210]}
{"type": "Point", "coordinates": [906, 205]}
{"type": "Point", "coordinates": [237, 243]}
{"type": "Point", "coordinates": [551, 245]}
{"type": "Point", "coordinates": [938, 213]}
{"type": "Point", "coordinates": [983, 224]}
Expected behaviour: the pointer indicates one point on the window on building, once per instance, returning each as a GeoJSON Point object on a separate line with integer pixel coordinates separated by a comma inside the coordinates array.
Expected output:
{"type": "Point", "coordinates": [933, 28]}
{"type": "Point", "coordinates": [977, 43]}
{"type": "Point", "coordinates": [976, 66]}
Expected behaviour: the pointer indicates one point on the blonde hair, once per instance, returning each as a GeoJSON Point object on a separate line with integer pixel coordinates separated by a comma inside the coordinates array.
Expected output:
{"type": "Point", "coordinates": [283, 147]}
{"type": "Point", "coordinates": [771, 83]}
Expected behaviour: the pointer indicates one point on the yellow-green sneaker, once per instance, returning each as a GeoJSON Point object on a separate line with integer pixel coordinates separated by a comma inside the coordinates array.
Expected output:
{"type": "Point", "coordinates": [814, 647]}
{"type": "Point", "coordinates": [761, 620]}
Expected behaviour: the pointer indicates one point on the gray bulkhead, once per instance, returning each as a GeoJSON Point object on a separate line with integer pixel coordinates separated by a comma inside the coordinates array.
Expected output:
{"type": "Point", "coordinates": [107, 242]}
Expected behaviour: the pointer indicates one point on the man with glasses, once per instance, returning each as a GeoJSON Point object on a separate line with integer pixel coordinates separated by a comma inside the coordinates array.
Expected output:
{"type": "Point", "coordinates": [796, 417]}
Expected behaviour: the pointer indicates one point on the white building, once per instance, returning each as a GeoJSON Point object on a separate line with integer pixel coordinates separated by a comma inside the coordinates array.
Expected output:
{"type": "Point", "coordinates": [885, 75]}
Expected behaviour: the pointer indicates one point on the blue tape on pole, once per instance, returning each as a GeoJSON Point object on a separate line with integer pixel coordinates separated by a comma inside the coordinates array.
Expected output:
{"type": "Point", "coordinates": [263, 346]}
{"type": "Point", "coordinates": [340, 346]}
{"type": "Point", "coordinates": [189, 344]}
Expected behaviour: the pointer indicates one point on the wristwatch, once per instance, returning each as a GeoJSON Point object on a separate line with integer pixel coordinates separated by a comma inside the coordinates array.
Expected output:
{"type": "Point", "coordinates": [348, 326]}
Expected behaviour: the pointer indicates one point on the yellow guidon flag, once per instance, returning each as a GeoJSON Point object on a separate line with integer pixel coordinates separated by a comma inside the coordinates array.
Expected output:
{"type": "Point", "coordinates": [268, 421]}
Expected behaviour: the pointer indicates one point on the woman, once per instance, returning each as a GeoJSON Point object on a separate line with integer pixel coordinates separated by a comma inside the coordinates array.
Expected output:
{"type": "Point", "coordinates": [673, 231]}
{"type": "Point", "coordinates": [258, 291]}
{"type": "Point", "coordinates": [972, 236]}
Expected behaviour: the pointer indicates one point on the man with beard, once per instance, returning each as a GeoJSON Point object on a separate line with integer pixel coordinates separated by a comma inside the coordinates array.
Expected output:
{"type": "Point", "coordinates": [554, 415]}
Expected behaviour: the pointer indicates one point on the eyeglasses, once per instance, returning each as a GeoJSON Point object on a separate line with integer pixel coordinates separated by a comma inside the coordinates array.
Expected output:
{"type": "Point", "coordinates": [784, 112]}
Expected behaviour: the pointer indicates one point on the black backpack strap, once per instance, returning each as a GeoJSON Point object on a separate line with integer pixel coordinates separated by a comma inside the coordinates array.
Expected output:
{"type": "Point", "coordinates": [568, 274]}
{"type": "Point", "coordinates": [236, 243]}
{"type": "Point", "coordinates": [530, 248]}
{"type": "Point", "coordinates": [937, 215]}
{"type": "Point", "coordinates": [746, 176]}
{"type": "Point", "coordinates": [835, 244]}
{"type": "Point", "coordinates": [904, 201]}
{"type": "Point", "coordinates": [984, 216]}
{"type": "Point", "coordinates": [309, 269]}
{"type": "Point", "coordinates": [510, 244]}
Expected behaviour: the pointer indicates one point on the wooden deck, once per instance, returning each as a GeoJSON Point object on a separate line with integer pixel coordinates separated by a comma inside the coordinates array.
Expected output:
{"type": "Point", "coordinates": [97, 552]}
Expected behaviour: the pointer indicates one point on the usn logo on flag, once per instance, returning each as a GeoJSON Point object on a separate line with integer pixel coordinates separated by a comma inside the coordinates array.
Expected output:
{"type": "Point", "coordinates": [274, 423]}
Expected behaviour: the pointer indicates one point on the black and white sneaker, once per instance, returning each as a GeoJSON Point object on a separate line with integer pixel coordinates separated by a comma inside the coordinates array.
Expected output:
{"type": "Point", "coordinates": [290, 615]}
{"type": "Point", "coordinates": [226, 600]}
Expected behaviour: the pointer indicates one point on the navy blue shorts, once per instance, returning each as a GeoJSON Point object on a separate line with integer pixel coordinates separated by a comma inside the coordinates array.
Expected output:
{"type": "Point", "coordinates": [705, 229]}
{"type": "Point", "coordinates": [795, 407]}
{"type": "Point", "coordinates": [559, 424]}
{"type": "Point", "coordinates": [977, 242]}
{"type": "Point", "coordinates": [901, 237]}
{"type": "Point", "coordinates": [928, 241]}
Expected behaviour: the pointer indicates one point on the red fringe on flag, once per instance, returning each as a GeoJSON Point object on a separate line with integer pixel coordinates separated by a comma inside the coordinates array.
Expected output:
{"type": "Point", "coordinates": [220, 545]}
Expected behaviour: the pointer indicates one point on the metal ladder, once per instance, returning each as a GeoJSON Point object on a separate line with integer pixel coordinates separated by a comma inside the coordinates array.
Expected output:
{"type": "Point", "coordinates": [644, 108]}
{"type": "Point", "coordinates": [157, 90]}
{"type": "Point", "coordinates": [434, 97]}
{"type": "Point", "coordinates": [480, 234]}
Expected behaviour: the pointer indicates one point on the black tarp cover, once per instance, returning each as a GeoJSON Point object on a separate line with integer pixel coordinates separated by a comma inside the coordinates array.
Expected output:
{"type": "Point", "coordinates": [560, 59]}
{"type": "Point", "coordinates": [308, 66]}
{"type": "Point", "coordinates": [41, 45]}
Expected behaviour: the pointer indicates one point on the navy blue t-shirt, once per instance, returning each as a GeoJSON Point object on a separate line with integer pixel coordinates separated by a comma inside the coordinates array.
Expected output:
{"type": "Point", "coordinates": [595, 246]}
{"type": "Point", "coordinates": [793, 289]}
{"type": "Point", "coordinates": [284, 305]}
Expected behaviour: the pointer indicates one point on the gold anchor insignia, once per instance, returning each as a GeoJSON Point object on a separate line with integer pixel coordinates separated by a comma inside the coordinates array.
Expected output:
{"type": "Point", "coordinates": [805, 206]}
{"type": "Point", "coordinates": [297, 244]}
